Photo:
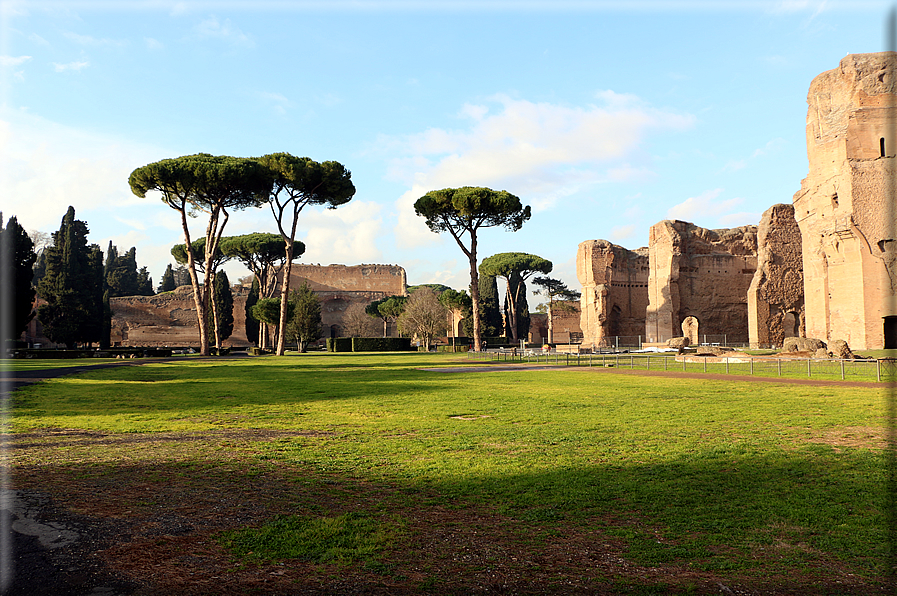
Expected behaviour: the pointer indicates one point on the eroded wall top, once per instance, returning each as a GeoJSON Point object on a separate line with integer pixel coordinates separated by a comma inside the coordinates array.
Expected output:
{"type": "Point", "coordinates": [386, 279]}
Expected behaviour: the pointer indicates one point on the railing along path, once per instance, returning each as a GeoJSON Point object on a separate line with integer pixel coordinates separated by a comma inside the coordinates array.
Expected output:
{"type": "Point", "coordinates": [845, 370]}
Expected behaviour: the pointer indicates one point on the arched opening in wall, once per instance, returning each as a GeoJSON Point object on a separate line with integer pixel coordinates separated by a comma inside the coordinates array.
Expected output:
{"type": "Point", "coordinates": [791, 324]}
{"type": "Point", "coordinates": [615, 322]}
{"type": "Point", "coordinates": [891, 332]}
{"type": "Point", "coordinates": [881, 144]}
{"type": "Point", "coordinates": [334, 331]}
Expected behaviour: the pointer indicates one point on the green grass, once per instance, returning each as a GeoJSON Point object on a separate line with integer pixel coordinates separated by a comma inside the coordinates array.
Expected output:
{"type": "Point", "coordinates": [796, 368]}
{"type": "Point", "coordinates": [41, 364]}
{"type": "Point", "coordinates": [721, 476]}
{"type": "Point", "coordinates": [343, 538]}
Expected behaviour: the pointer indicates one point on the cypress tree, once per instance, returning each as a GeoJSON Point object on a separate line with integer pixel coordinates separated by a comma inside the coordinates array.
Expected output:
{"type": "Point", "coordinates": [40, 268]}
{"type": "Point", "coordinates": [144, 283]}
{"type": "Point", "coordinates": [168, 283]}
{"type": "Point", "coordinates": [523, 319]}
{"type": "Point", "coordinates": [181, 276]}
{"type": "Point", "coordinates": [106, 337]}
{"type": "Point", "coordinates": [490, 315]}
{"type": "Point", "coordinates": [111, 258]}
{"type": "Point", "coordinates": [17, 272]}
{"type": "Point", "coordinates": [252, 324]}
{"type": "Point", "coordinates": [74, 275]}
{"type": "Point", "coordinates": [224, 308]}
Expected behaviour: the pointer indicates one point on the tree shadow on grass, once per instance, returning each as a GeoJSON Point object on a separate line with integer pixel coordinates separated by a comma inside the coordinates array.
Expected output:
{"type": "Point", "coordinates": [144, 390]}
{"type": "Point", "coordinates": [797, 522]}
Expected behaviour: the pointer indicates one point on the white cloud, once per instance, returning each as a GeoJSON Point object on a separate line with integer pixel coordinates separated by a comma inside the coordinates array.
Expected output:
{"type": "Point", "coordinates": [627, 172]}
{"type": "Point", "coordinates": [152, 43]}
{"type": "Point", "coordinates": [541, 151]}
{"type": "Point", "coordinates": [278, 102]}
{"type": "Point", "coordinates": [619, 233]}
{"type": "Point", "coordinates": [704, 209]}
{"type": "Point", "coordinates": [75, 66]}
{"type": "Point", "coordinates": [178, 8]}
{"type": "Point", "coordinates": [51, 166]}
{"type": "Point", "coordinates": [89, 40]}
{"type": "Point", "coordinates": [347, 234]}
{"type": "Point", "coordinates": [793, 6]}
{"type": "Point", "coordinates": [212, 28]}
{"type": "Point", "coordinates": [742, 218]}
{"type": "Point", "coordinates": [735, 165]}
{"type": "Point", "coordinates": [13, 60]}
{"type": "Point", "coordinates": [451, 273]}
{"type": "Point", "coordinates": [137, 224]}
{"type": "Point", "coordinates": [771, 147]}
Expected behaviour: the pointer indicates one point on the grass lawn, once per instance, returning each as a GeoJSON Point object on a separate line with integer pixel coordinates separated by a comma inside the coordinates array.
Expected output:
{"type": "Point", "coordinates": [324, 467]}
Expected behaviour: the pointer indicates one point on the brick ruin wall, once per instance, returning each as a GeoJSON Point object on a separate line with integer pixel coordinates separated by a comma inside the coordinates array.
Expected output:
{"type": "Point", "coordinates": [824, 267]}
{"type": "Point", "coordinates": [702, 273]}
{"type": "Point", "coordinates": [341, 286]}
{"type": "Point", "coordinates": [846, 221]}
{"type": "Point", "coordinates": [565, 326]}
{"type": "Point", "coordinates": [170, 319]}
{"type": "Point", "coordinates": [614, 291]}
{"type": "Point", "coordinates": [776, 295]}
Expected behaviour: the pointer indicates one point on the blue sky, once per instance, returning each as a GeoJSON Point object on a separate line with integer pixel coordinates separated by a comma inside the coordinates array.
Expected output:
{"type": "Point", "coordinates": [604, 117]}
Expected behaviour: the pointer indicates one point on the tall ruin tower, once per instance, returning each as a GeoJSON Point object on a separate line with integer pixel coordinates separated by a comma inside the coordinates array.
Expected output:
{"type": "Point", "coordinates": [845, 206]}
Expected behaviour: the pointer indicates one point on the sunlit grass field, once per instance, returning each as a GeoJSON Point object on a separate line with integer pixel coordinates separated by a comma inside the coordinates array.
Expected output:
{"type": "Point", "coordinates": [723, 477]}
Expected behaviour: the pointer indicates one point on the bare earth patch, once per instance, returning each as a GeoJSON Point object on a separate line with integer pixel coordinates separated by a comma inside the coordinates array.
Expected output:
{"type": "Point", "coordinates": [153, 504]}
{"type": "Point", "coordinates": [854, 436]}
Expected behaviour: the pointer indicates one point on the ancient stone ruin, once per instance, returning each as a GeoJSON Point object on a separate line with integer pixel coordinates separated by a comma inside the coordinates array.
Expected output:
{"type": "Point", "coordinates": [776, 295]}
{"type": "Point", "coordinates": [170, 319]}
{"type": "Point", "coordinates": [845, 206]}
{"type": "Point", "coordinates": [614, 291]}
{"type": "Point", "coordinates": [824, 267]}
{"type": "Point", "coordinates": [695, 272]}
{"type": "Point", "coordinates": [691, 330]}
{"type": "Point", "coordinates": [340, 286]}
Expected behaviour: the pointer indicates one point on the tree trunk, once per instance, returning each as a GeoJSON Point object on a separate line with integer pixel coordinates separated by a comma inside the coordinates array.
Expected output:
{"type": "Point", "coordinates": [284, 294]}
{"type": "Point", "coordinates": [512, 312]}
{"type": "Point", "coordinates": [475, 293]}
{"type": "Point", "coordinates": [215, 324]}
{"type": "Point", "coordinates": [550, 322]}
{"type": "Point", "coordinates": [198, 292]}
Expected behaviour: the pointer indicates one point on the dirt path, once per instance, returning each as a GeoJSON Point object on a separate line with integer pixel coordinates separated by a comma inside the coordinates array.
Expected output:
{"type": "Point", "coordinates": [503, 367]}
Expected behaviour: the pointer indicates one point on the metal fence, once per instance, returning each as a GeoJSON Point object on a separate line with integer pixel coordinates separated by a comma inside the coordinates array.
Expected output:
{"type": "Point", "coordinates": [637, 341]}
{"type": "Point", "coordinates": [844, 370]}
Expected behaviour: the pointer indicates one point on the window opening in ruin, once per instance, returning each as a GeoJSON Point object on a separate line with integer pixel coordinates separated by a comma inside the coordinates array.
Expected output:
{"type": "Point", "coordinates": [882, 145]}
{"type": "Point", "coordinates": [891, 332]}
{"type": "Point", "coordinates": [835, 200]}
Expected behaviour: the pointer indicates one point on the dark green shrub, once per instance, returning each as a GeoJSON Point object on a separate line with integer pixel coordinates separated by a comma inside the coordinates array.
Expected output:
{"type": "Point", "coordinates": [339, 344]}
{"type": "Point", "coordinates": [381, 344]}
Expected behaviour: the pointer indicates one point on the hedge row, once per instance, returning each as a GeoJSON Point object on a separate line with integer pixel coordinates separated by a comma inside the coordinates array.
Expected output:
{"type": "Point", "coordinates": [52, 354]}
{"type": "Point", "coordinates": [369, 344]}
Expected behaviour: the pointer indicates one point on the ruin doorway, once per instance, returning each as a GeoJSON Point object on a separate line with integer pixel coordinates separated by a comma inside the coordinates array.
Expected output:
{"type": "Point", "coordinates": [334, 331]}
{"type": "Point", "coordinates": [790, 323]}
{"type": "Point", "coordinates": [891, 332]}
